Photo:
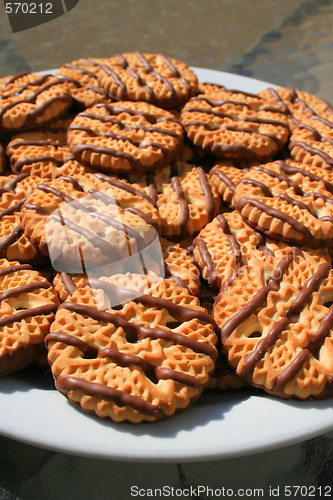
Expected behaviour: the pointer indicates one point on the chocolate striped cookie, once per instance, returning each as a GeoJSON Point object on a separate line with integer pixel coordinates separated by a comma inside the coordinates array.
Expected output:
{"type": "Point", "coordinates": [288, 200]}
{"type": "Point", "coordinates": [144, 361]}
{"type": "Point", "coordinates": [154, 78]}
{"type": "Point", "coordinates": [235, 124]}
{"type": "Point", "coordinates": [27, 303]}
{"type": "Point", "coordinates": [277, 329]}
{"type": "Point", "coordinates": [34, 103]}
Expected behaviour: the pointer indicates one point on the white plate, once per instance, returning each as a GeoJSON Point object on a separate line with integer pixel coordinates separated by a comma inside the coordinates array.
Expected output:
{"type": "Point", "coordinates": [218, 426]}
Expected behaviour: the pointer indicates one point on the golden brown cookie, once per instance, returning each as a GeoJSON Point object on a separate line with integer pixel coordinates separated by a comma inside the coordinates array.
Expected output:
{"type": "Point", "coordinates": [39, 100]}
{"type": "Point", "coordinates": [125, 136]}
{"type": "Point", "coordinates": [27, 305]}
{"type": "Point", "coordinates": [309, 146]}
{"type": "Point", "coordinates": [90, 221]}
{"type": "Point", "coordinates": [141, 362]}
{"type": "Point", "coordinates": [277, 328]}
{"type": "Point", "coordinates": [288, 200]}
{"type": "Point", "coordinates": [85, 88]}
{"type": "Point", "coordinates": [185, 198]}
{"type": "Point", "coordinates": [228, 243]}
{"type": "Point", "coordinates": [224, 175]}
{"type": "Point", "coordinates": [235, 124]}
{"type": "Point", "coordinates": [14, 245]}
{"type": "Point", "coordinates": [154, 78]}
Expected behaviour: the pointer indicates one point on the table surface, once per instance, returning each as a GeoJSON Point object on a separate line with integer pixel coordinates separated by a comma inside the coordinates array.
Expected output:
{"type": "Point", "coordinates": [288, 42]}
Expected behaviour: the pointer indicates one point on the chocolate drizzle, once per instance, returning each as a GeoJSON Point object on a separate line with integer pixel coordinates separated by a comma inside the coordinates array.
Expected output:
{"type": "Point", "coordinates": [184, 208]}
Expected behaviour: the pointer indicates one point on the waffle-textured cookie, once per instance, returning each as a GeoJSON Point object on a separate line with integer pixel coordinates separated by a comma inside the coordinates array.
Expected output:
{"type": "Point", "coordinates": [142, 362]}
{"type": "Point", "coordinates": [235, 124]}
{"type": "Point", "coordinates": [36, 102]}
{"type": "Point", "coordinates": [84, 86]}
{"type": "Point", "coordinates": [311, 146]}
{"type": "Point", "coordinates": [288, 200]}
{"type": "Point", "coordinates": [27, 306]}
{"type": "Point", "coordinates": [14, 245]}
{"type": "Point", "coordinates": [125, 136]}
{"type": "Point", "coordinates": [224, 175]}
{"type": "Point", "coordinates": [228, 243]}
{"type": "Point", "coordinates": [185, 198]}
{"type": "Point", "coordinates": [90, 221]}
{"type": "Point", "coordinates": [154, 78]}
{"type": "Point", "coordinates": [277, 328]}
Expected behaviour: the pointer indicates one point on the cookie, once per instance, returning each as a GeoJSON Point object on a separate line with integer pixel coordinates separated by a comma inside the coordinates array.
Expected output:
{"type": "Point", "coordinates": [85, 88]}
{"type": "Point", "coordinates": [228, 243]}
{"type": "Point", "coordinates": [28, 303]}
{"type": "Point", "coordinates": [288, 200]}
{"type": "Point", "coordinates": [235, 124]}
{"type": "Point", "coordinates": [14, 245]}
{"type": "Point", "coordinates": [309, 146]}
{"type": "Point", "coordinates": [142, 361]}
{"type": "Point", "coordinates": [125, 136]}
{"type": "Point", "coordinates": [185, 198]}
{"type": "Point", "coordinates": [36, 102]}
{"type": "Point", "coordinates": [277, 328]}
{"type": "Point", "coordinates": [224, 175]}
{"type": "Point", "coordinates": [154, 78]}
{"type": "Point", "coordinates": [90, 221]}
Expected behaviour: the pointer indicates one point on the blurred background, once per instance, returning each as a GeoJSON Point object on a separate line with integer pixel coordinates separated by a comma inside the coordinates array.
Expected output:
{"type": "Point", "coordinates": [286, 42]}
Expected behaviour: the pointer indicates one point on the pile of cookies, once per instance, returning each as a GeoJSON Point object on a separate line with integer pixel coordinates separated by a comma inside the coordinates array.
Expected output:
{"type": "Point", "coordinates": [160, 236]}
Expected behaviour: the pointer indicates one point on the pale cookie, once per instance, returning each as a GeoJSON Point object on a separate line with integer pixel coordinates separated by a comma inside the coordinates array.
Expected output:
{"type": "Point", "coordinates": [290, 201]}
{"type": "Point", "coordinates": [84, 86]}
{"type": "Point", "coordinates": [27, 306]}
{"type": "Point", "coordinates": [277, 328]}
{"type": "Point", "coordinates": [142, 361]}
{"type": "Point", "coordinates": [154, 78]}
{"type": "Point", "coordinates": [36, 102]}
{"type": "Point", "coordinates": [125, 136]}
{"type": "Point", "coordinates": [90, 221]}
{"type": "Point", "coordinates": [235, 124]}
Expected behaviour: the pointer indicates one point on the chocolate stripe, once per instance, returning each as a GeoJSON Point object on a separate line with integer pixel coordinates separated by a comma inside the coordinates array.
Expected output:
{"type": "Point", "coordinates": [30, 287]}
{"type": "Point", "coordinates": [207, 260]}
{"type": "Point", "coordinates": [207, 191]}
{"type": "Point", "coordinates": [28, 313]}
{"type": "Point", "coordinates": [68, 283]}
{"type": "Point", "coordinates": [14, 269]}
{"type": "Point", "coordinates": [234, 245]}
{"type": "Point", "coordinates": [184, 208]}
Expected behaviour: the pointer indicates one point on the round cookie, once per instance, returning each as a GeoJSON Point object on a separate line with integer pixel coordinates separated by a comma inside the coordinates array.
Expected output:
{"type": "Point", "coordinates": [312, 147]}
{"type": "Point", "coordinates": [235, 124]}
{"type": "Point", "coordinates": [38, 101]}
{"type": "Point", "coordinates": [90, 221]}
{"type": "Point", "coordinates": [14, 245]}
{"type": "Point", "coordinates": [184, 196]}
{"type": "Point", "coordinates": [154, 78]}
{"type": "Point", "coordinates": [276, 327]}
{"type": "Point", "coordinates": [227, 244]}
{"type": "Point", "coordinates": [224, 175]}
{"type": "Point", "coordinates": [288, 200]}
{"type": "Point", "coordinates": [27, 303]}
{"type": "Point", "coordinates": [125, 136]}
{"type": "Point", "coordinates": [141, 362]}
{"type": "Point", "coordinates": [84, 86]}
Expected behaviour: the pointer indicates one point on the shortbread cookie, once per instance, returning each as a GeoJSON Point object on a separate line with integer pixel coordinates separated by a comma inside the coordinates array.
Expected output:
{"type": "Point", "coordinates": [228, 243]}
{"type": "Point", "coordinates": [125, 136]}
{"type": "Point", "coordinates": [235, 124]}
{"type": "Point", "coordinates": [85, 88]}
{"type": "Point", "coordinates": [277, 328]}
{"type": "Point", "coordinates": [309, 146]}
{"type": "Point", "coordinates": [206, 88]}
{"type": "Point", "coordinates": [154, 78]}
{"type": "Point", "coordinates": [224, 175]}
{"type": "Point", "coordinates": [14, 245]}
{"type": "Point", "coordinates": [288, 200]}
{"type": "Point", "coordinates": [141, 362]}
{"type": "Point", "coordinates": [28, 303]}
{"type": "Point", "coordinates": [36, 102]}
{"type": "Point", "coordinates": [185, 198]}
{"type": "Point", "coordinates": [91, 221]}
